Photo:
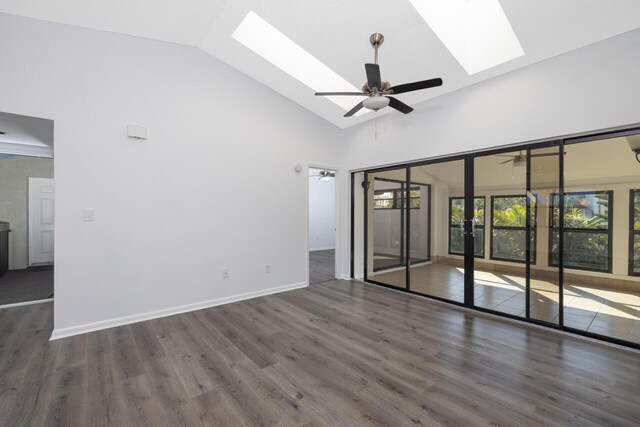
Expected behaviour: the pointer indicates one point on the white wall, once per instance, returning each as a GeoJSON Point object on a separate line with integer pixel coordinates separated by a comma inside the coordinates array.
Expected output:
{"type": "Point", "coordinates": [165, 226]}
{"type": "Point", "coordinates": [173, 211]}
{"type": "Point", "coordinates": [322, 213]}
{"type": "Point", "coordinates": [592, 88]}
{"type": "Point", "coordinates": [14, 183]}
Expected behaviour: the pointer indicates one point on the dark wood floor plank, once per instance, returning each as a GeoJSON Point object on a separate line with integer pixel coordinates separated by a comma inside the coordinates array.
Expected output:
{"type": "Point", "coordinates": [68, 397]}
{"type": "Point", "coordinates": [103, 408]}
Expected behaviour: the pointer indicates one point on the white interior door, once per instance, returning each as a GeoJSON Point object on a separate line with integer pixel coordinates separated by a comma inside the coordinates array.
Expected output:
{"type": "Point", "coordinates": [41, 221]}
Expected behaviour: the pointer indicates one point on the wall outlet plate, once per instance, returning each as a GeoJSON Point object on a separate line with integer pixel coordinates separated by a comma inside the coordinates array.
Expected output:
{"type": "Point", "coordinates": [88, 215]}
{"type": "Point", "coordinates": [136, 132]}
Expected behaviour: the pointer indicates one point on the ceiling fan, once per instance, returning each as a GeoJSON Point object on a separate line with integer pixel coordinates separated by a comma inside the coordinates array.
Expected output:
{"type": "Point", "coordinates": [377, 91]}
{"type": "Point", "coordinates": [324, 175]}
{"type": "Point", "coordinates": [520, 160]}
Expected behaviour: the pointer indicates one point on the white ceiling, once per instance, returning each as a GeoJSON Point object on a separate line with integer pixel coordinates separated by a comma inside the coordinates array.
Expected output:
{"type": "Point", "coordinates": [337, 32]}
{"type": "Point", "coordinates": [24, 135]}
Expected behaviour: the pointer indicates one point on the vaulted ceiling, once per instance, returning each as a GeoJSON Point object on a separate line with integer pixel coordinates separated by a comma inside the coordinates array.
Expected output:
{"type": "Point", "coordinates": [336, 33]}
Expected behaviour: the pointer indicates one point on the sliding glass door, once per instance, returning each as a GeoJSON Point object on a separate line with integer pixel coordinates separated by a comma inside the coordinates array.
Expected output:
{"type": "Point", "coordinates": [500, 271]}
{"type": "Point", "coordinates": [544, 278]}
{"type": "Point", "coordinates": [549, 232]}
{"type": "Point", "coordinates": [514, 275]}
{"type": "Point", "coordinates": [386, 227]}
{"type": "Point", "coordinates": [438, 223]}
{"type": "Point", "coordinates": [601, 249]}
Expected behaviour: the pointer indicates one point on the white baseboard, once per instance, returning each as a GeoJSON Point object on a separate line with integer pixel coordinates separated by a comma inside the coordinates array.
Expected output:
{"type": "Point", "coordinates": [322, 248]}
{"type": "Point", "coordinates": [135, 318]}
{"type": "Point", "coordinates": [19, 304]}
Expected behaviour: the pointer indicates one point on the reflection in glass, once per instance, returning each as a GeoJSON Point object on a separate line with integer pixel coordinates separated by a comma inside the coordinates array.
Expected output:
{"type": "Point", "coordinates": [386, 251]}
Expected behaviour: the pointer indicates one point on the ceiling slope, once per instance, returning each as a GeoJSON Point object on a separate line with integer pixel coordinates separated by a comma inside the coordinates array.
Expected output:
{"type": "Point", "coordinates": [336, 33]}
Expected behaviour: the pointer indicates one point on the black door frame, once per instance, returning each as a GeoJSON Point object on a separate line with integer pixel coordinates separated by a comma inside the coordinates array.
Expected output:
{"type": "Point", "coordinates": [469, 250]}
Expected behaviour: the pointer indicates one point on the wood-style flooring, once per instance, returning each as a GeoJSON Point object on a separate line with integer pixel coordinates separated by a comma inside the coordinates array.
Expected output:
{"type": "Point", "coordinates": [339, 353]}
{"type": "Point", "coordinates": [322, 266]}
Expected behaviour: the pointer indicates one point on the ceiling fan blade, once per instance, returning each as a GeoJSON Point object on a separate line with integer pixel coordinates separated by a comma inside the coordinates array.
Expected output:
{"type": "Point", "coordinates": [373, 76]}
{"type": "Point", "coordinates": [506, 161]}
{"type": "Point", "coordinates": [399, 105]}
{"type": "Point", "coordinates": [341, 94]}
{"type": "Point", "coordinates": [410, 87]}
{"type": "Point", "coordinates": [354, 110]}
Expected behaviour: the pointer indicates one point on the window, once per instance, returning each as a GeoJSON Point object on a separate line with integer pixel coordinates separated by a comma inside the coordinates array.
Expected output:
{"type": "Point", "coordinates": [456, 233]}
{"type": "Point", "coordinates": [509, 228]}
{"type": "Point", "coordinates": [587, 230]}
{"type": "Point", "coordinates": [634, 239]}
{"type": "Point", "coordinates": [392, 198]}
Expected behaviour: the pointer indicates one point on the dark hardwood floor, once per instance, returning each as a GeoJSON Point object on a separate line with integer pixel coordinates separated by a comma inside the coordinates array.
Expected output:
{"type": "Point", "coordinates": [338, 353]}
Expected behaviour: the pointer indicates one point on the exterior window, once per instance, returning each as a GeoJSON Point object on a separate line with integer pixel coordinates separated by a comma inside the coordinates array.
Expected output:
{"type": "Point", "coordinates": [456, 217]}
{"type": "Point", "coordinates": [392, 198]}
{"type": "Point", "coordinates": [634, 253]}
{"type": "Point", "coordinates": [588, 223]}
{"type": "Point", "coordinates": [384, 199]}
{"type": "Point", "coordinates": [509, 229]}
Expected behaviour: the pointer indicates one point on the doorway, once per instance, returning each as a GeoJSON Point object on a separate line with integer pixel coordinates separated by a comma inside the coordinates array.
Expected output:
{"type": "Point", "coordinates": [26, 210]}
{"type": "Point", "coordinates": [321, 225]}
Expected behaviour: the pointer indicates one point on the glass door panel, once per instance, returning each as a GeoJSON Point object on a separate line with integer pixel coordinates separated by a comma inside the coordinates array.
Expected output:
{"type": "Point", "coordinates": [544, 277]}
{"type": "Point", "coordinates": [600, 239]}
{"type": "Point", "coordinates": [436, 230]}
{"type": "Point", "coordinates": [386, 227]}
{"type": "Point", "coordinates": [500, 265]}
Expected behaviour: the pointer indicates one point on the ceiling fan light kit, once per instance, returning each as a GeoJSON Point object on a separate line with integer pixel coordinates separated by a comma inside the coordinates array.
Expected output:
{"type": "Point", "coordinates": [375, 103]}
{"type": "Point", "coordinates": [377, 91]}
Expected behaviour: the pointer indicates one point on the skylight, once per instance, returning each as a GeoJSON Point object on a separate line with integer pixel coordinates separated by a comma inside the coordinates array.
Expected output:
{"type": "Point", "coordinates": [476, 32]}
{"type": "Point", "coordinates": [265, 40]}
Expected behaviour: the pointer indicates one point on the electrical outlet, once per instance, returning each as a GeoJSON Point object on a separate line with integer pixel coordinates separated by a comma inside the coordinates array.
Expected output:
{"type": "Point", "coordinates": [267, 268]}
{"type": "Point", "coordinates": [225, 273]}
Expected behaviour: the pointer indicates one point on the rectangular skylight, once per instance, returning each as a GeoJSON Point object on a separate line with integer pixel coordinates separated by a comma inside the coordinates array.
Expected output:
{"type": "Point", "coordinates": [476, 32]}
{"type": "Point", "coordinates": [265, 40]}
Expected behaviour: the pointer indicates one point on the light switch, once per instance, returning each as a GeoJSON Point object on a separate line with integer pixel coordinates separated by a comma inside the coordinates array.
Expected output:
{"type": "Point", "coordinates": [88, 215]}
